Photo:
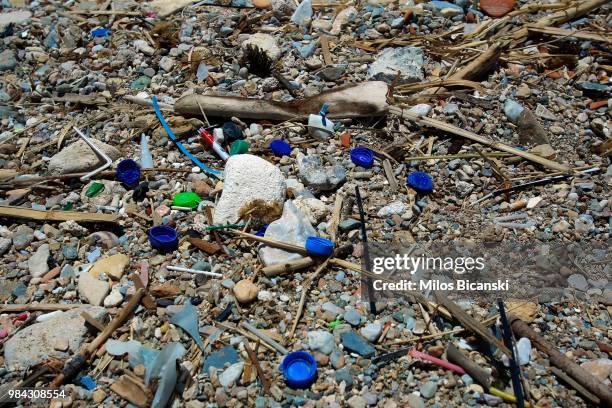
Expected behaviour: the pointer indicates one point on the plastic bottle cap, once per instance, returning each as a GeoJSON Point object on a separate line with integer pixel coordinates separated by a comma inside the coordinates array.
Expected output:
{"type": "Point", "coordinates": [187, 199]}
{"type": "Point", "coordinates": [128, 172]}
{"type": "Point", "coordinates": [239, 147]}
{"type": "Point", "coordinates": [299, 369]}
{"type": "Point", "coordinates": [280, 148]}
{"type": "Point", "coordinates": [362, 156]}
{"type": "Point", "coordinates": [420, 181]}
{"type": "Point", "coordinates": [262, 230]}
{"type": "Point", "coordinates": [100, 32]}
{"type": "Point", "coordinates": [319, 246]}
{"type": "Point", "coordinates": [163, 238]}
{"type": "Point", "coordinates": [231, 131]}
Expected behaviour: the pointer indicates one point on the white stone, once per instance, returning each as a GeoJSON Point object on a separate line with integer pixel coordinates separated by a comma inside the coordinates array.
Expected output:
{"type": "Point", "coordinates": [396, 207]}
{"type": "Point", "coordinates": [371, 331]}
{"type": "Point", "coordinates": [313, 208]}
{"type": "Point", "coordinates": [167, 63]}
{"type": "Point", "coordinates": [266, 43]}
{"type": "Point", "coordinates": [421, 109]}
{"type": "Point", "coordinates": [79, 157]}
{"type": "Point", "coordinates": [91, 289]}
{"type": "Point", "coordinates": [408, 60]}
{"type": "Point", "coordinates": [144, 47]}
{"type": "Point", "coordinates": [320, 340]}
{"type": "Point", "coordinates": [231, 374]}
{"type": "Point", "coordinates": [293, 228]}
{"type": "Point", "coordinates": [36, 343]}
{"type": "Point", "coordinates": [114, 299]}
{"type": "Point", "coordinates": [37, 264]}
{"type": "Point", "coordinates": [250, 182]}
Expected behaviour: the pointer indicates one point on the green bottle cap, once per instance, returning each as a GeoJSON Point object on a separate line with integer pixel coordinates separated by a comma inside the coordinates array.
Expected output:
{"type": "Point", "coordinates": [187, 199]}
{"type": "Point", "coordinates": [239, 147]}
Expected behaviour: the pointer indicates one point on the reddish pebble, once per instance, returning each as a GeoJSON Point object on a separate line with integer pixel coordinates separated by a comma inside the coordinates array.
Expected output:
{"type": "Point", "coordinates": [597, 104]}
{"type": "Point", "coordinates": [470, 17]}
{"type": "Point", "coordinates": [497, 8]}
{"type": "Point", "coordinates": [345, 139]}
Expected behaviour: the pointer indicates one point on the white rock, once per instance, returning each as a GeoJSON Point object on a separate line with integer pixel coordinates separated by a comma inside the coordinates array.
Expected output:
{"type": "Point", "coordinates": [37, 264]}
{"type": "Point", "coordinates": [320, 340]}
{"type": "Point", "coordinates": [167, 63]}
{"type": "Point", "coordinates": [79, 157]}
{"type": "Point", "coordinates": [91, 289]}
{"type": "Point", "coordinates": [250, 182]}
{"type": "Point", "coordinates": [265, 42]}
{"type": "Point", "coordinates": [144, 47]}
{"type": "Point", "coordinates": [293, 228]}
{"type": "Point", "coordinates": [421, 109]}
{"type": "Point", "coordinates": [371, 331]}
{"type": "Point", "coordinates": [231, 374]}
{"type": "Point", "coordinates": [533, 202]}
{"type": "Point", "coordinates": [37, 342]}
{"type": "Point", "coordinates": [114, 299]}
{"type": "Point", "coordinates": [396, 207]}
{"type": "Point", "coordinates": [313, 208]}
{"type": "Point", "coordinates": [407, 60]}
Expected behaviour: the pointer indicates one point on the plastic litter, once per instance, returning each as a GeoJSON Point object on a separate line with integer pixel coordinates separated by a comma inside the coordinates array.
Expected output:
{"type": "Point", "coordinates": [94, 189]}
{"type": "Point", "coordinates": [88, 383]}
{"type": "Point", "coordinates": [319, 127]}
{"type": "Point", "coordinates": [318, 246]}
{"type": "Point", "coordinates": [420, 181]}
{"type": "Point", "coordinates": [164, 368]}
{"type": "Point", "coordinates": [231, 132]}
{"type": "Point", "coordinates": [209, 140]}
{"type": "Point", "coordinates": [187, 199]}
{"type": "Point", "coordinates": [128, 172]}
{"type": "Point", "coordinates": [442, 363]}
{"type": "Point", "coordinates": [299, 369]}
{"type": "Point", "coordinates": [362, 156]}
{"type": "Point", "coordinates": [100, 32]}
{"type": "Point", "coordinates": [280, 148]}
{"type": "Point", "coordinates": [239, 147]}
{"type": "Point", "coordinates": [163, 238]}
{"type": "Point", "coordinates": [99, 152]}
{"type": "Point", "coordinates": [146, 160]}
{"type": "Point", "coordinates": [181, 269]}
{"type": "Point", "coordinates": [179, 144]}
{"type": "Point", "coordinates": [187, 319]}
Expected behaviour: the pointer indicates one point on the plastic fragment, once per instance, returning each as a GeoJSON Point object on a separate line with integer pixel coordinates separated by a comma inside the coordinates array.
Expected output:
{"type": "Point", "coordinates": [187, 319]}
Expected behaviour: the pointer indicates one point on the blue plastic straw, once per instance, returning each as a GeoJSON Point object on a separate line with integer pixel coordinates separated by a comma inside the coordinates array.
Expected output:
{"type": "Point", "coordinates": [178, 144]}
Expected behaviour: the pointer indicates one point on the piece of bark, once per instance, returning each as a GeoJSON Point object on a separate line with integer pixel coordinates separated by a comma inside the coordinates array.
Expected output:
{"type": "Point", "coordinates": [210, 248]}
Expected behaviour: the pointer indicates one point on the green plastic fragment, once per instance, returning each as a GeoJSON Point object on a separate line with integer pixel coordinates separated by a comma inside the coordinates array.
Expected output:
{"type": "Point", "coordinates": [334, 324]}
{"type": "Point", "coordinates": [188, 199]}
{"type": "Point", "coordinates": [94, 190]}
{"type": "Point", "coordinates": [217, 227]}
{"type": "Point", "coordinates": [68, 207]}
{"type": "Point", "coordinates": [239, 147]}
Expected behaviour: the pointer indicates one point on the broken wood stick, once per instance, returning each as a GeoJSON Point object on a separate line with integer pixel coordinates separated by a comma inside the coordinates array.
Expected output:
{"type": "Point", "coordinates": [430, 122]}
{"type": "Point", "coordinates": [335, 219]}
{"type": "Point", "coordinates": [455, 356]}
{"type": "Point", "coordinates": [265, 338]}
{"type": "Point", "coordinates": [43, 215]}
{"type": "Point", "coordinates": [260, 372]}
{"type": "Point", "coordinates": [305, 289]}
{"type": "Point", "coordinates": [286, 267]}
{"type": "Point", "coordinates": [42, 307]}
{"type": "Point", "coordinates": [80, 360]}
{"type": "Point", "coordinates": [561, 32]}
{"type": "Point", "coordinates": [470, 323]}
{"type": "Point", "coordinates": [579, 374]}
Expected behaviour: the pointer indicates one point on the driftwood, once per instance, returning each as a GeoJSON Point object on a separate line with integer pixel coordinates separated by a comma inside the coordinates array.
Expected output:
{"type": "Point", "coordinates": [573, 370]}
{"type": "Point", "coordinates": [347, 101]}
{"type": "Point", "coordinates": [41, 215]}
{"type": "Point", "coordinates": [430, 122]}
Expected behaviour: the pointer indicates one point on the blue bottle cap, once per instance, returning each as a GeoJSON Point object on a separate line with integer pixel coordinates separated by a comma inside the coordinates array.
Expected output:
{"type": "Point", "coordinates": [128, 172]}
{"type": "Point", "coordinates": [420, 181]}
{"type": "Point", "coordinates": [163, 238]}
{"type": "Point", "coordinates": [262, 230]}
{"type": "Point", "coordinates": [318, 246]}
{"type": "Point", "coordinates": [100, 32]}
{"type": "Point", "coordinates": [280, 148]}
{"type": "Point", "coordinates": [362, 156]}
{"type": "Point", "coordinates": [299, 369]}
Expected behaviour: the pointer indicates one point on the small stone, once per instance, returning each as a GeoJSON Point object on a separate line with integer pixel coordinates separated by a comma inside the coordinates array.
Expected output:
{"type": "Point", "coordinates": [98, 395]}
{"type": "Point", "coordinates": [371, 331]}
{"type": "Point", "coordinates": [320, 178]}
{"type": "Point", "coordinates": [352, 317]}
{"type": "Point", "coordinates": [8, 60]}
{"type": "Point", "coordinates": [578, 281]}
{"type": "Point", "coordinates": [22, 237]}
{"type": "Point", "coordinates": [349, 225]}
{"type": "Point", "coordinates": [356, 401]}
{"type": "Point", "coordinates": [322, 341]}
{"type": "Point", "coordinates": [415, 401]}
{"type": "Point", "coordinates": [61, 344]}
{"type": "Point", "coordinates": [167, 63]}
{"type": "Point", "coordinates": [428, 390]}
{"type": "Point", "coordinates": [231, 374]}
{"type": "Point", "coordinates": [600, 368]}
{"type": "Point", "coordinates": [79, 157]}
{"type": "Point", "coordinates": [37, 264]}
{"type": "Point", "coordinates": [92, 290]}
{"type": "Point", "coordinates": [113, 266]}
{"type": "Point", "coordinates": [265, 42]}
{"type": "Point", "coordinates": [396, 207]}
{"type": "Point", "coordinates": [245, 291]}
{"type": "Point", "coordinates": [113, 299]}
{"type": "Point", "coordinates": [408, 61]}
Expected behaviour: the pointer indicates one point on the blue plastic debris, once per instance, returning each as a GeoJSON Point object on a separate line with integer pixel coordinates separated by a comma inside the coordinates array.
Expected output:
{"type": "Point", "coordinates": [362, 156]}
{"type": "Point", "coordinates": [420, 181]}
{"type": "Point", "coordinates": [88, 383]}
{"type": "Point", "coordinates": [299, 369]}
{"type": "Point", "coordinates": [280, 148]}
{"type": "Point", "coordinates": [100, 32]}
{"type": "Point", "coordinates": [319, 246]}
